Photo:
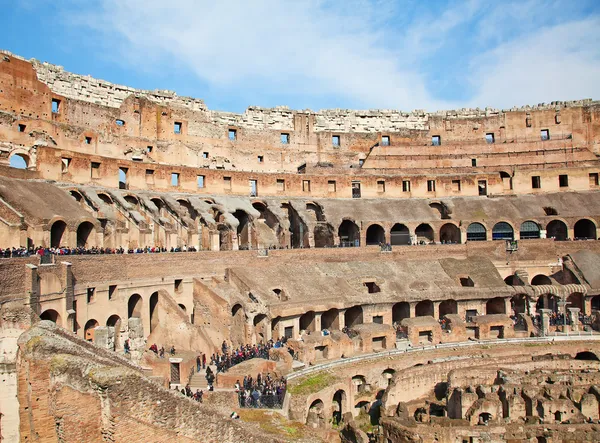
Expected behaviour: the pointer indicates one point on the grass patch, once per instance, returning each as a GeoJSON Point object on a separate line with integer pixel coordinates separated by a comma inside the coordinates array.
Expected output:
{"type": "Point", "coordinates": [272, 422]}
{"type": "Point", "coordinates": [312, 383]}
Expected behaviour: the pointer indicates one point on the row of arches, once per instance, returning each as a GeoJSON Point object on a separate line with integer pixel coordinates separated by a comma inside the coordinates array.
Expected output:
{"type": "Point", "coordinates": [59, 229]}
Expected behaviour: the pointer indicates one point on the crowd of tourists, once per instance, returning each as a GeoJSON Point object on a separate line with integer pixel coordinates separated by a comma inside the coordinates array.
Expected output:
{"type": "Point", "coordinates": [161, 352]}
{"type": "Point", "coordinates": [262, 392]}
{"type": "Point", "coordinates": [41, 251]}
{"type": "Point", "coordinates": [229, 357]}
{"type": "Point", "coordinates": [197, 396]}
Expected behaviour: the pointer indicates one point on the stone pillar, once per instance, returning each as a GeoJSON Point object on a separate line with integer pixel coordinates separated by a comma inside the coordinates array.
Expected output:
{"type": "Point", "coordinates": [388, 236]}
{"type": "Point", "coordinates": [413, 310]}
{"type": "Point", "coordinates": [574, 318]}
{"type": "Point", "coordinates": [296, 334]}
{"type": "Point", "coordinates": [531, 306]}
{"type": "Point", "coordinates": [463, 236]}
{"type": "Point", "coordinates": [545, 321]}
{"type": "Point", "coordinates": [507, 307]}
{"type": "Point", "coordinates": [215, 241]}
{"type": "Point", "coordinates": [571, 233]}
{"type": "Point", "coordinates": [436, 309]}
{"type": "Point", "coordinates": [342, 318]}
{"type": "Point", "coordinates": [234, 241]}
{"type": "Point", "coordinates": [32, 287]}
{"type": "Point", "coordinates": [318, 321]}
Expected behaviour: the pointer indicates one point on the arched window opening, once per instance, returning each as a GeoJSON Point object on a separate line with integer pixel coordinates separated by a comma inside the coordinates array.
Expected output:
{"type": "Point", "coordinates": [349, 234]}
{"type": "Point", "coordinates": [84, 230]}
{"type": "Point", "coordinates": [424, 233]}
{"type": "Point", "coordinates": [113, 321]}
{"type": "Point", "coordinates": [424, 308]}
{"type": "Point", "coordinates": [52, 315]}
{"type": "Point", "coordinates": [400, 311]}
{"type": "Point", "coordinates": [307, 321]}
{"type": "Point", "coordinates": [153, 311]}
{"type": "Point", "coordinates": [134, 306]}
{"type": "Point", "coordinates": [541, 279]}
{"type": "Point", "coordinates": [330, 320]}
{"type": "Point", "coordinates": [89, 328]}
{"type": "Point", "coordinates": [476, 232]}
{"type": "Point", "coordinates": [400, 235]}
{"type": "Point", "coordinates": [323, 234]}
{"type": "Point", "coordinates": [502, 231]}
{"type": "Point", "coordinates": [375, 235]}
{"type": "Point", "coordinates": [557, 230]}
{"type": "Point", "coordinates": [448, 307]}
{"type": "Point", "coordinates": [19, 161]}
{"type": "Point", "coordinates": [449, 233]}
{"type": "Point", "coordinates": [56, 233]}
{"type": "Point", "coordinates": [584, 229]}
{"type": "Point", "coordinates": [575, 300]}
{"type": "Point", "coordinates": [354, 316]}
{"type": "Point", "coordinates": [529, 230]}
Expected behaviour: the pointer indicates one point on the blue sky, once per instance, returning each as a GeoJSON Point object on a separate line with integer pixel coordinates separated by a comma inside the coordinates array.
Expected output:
{"type": "Point", "coordinates": [316, 54]}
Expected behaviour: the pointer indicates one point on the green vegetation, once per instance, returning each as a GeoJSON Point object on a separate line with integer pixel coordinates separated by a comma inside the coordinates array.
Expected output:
{"type": "Point", "coordinates": [272, 423]}
{"type": "Point", "coordinates": [312, 383]}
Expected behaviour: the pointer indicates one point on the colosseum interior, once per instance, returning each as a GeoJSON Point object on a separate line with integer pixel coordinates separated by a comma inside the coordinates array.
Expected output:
{"type": "Point", "coordinates": [390, 276]}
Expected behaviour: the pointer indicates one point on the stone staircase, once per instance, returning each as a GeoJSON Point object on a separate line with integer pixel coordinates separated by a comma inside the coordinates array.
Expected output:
{"type": "Point", "coordinates": [198, 380]}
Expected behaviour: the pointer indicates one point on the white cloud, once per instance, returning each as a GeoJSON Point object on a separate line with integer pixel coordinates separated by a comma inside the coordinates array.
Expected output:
{"type": "Point", "coordinates": [367, 53]}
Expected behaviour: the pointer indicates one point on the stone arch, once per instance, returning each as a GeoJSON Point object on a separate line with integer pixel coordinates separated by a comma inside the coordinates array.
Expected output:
{"type": "Point", "coordinates": [476, 232]}
{"type": "Point", "coordinates": [338, 406]}
{"type": "Point", "coordinates": [84, 230]}
{"type": "Point", "coordinates": [354, 316]}
{"type": "Point", "coordinates": [375, 235]}
{"type": "Point", "coordinates": [260, 323]}
{"type": "Point", "coordinates": [330, 319]}
{"type": "Point", "coordinates": [105, 198]}
{"type": "Point", "coordinates": [52, 315]}
{"type": "Point", "coordinates": [307, 321]}
{"type": "Point", "coordinates": [298, 229]}
{"type": "Point", "coordinates": [495, 305]}
{"type": "Point", "coordinates": [529, 230]}
{"type": "Point", "coordinates": [450, 233]}
{"type": "Point", "coordinates": [317, 209]}
{"type": "Point", "coordinates": [576, 300]}
{"type": "Point", "coordinates": [400, 235]}
{"type": "Point", "coordinates": [132, 200]}
{"type": "Point", "coordinates": [585, 229]}
{"type": "Point", "coordinates": [113, 321]}
{"type": "Point", "coordinates": [557, 229]}
{"type": "Point", "coordinates": [448, 307]}
{"type": "Point", "coordinates": [316, 414]}
{"type": "Point", "coordinates": [586, 355]}
{"type": "Point", "coordinates": [19, 160]}
{"type": "Point", "coordinates": [182, 306]}
{"type": "Point", "coordinates": [400, 311]}
{"type": "Point", "coordinates": [386, 377]}
{"type": "Point", "coordinates": [135, 306]}
{"type": "Point", "coordinates": [243, 229]}
{"type": "Point", "coordinates": [88, 330]}
{"type": "Point", "coordinates": [424, 232]}
{"type": "Point", "coordinates": [424, 308]}
{"type": "Point", "coordinates": [596, 303]}
{"type": "Point", "coordinates": [503, 231]}
{"type": "Point", "coordinates": [349, 233]}
{"type": "Point", "coordinates": [323, 234]}
{"type": "Point", "coordinates": [57, 232]}
{"type": "Point", "coordinates": [541, 279]}
{"type": "Point", "coordinates": [76, 195]}
{"type": "Point", "coordinates": [153, 311]}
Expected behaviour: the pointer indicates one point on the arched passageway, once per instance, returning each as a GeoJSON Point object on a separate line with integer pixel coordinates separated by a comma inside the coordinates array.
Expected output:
{"type": "Point", "coordinates": [113, 321]}
{"type": "Point", "coordinates": [424, 233]}
{"type": "Point", "coordinates": [153, 311]}
{"type": "Point", "coordinates": [400, 311]}
{"type": "Point", "coordinates": [547, 301]}
{"type": "Point", "coordinates": [354, 316]}
{"type": "Point", "coordinates": [84, 230]}
{"type": "Point", "coordinates": [424, 308]}
{"type": "Point", "coordinates": [238, 325]}
{"type": "Point", "coordinates": [349, 234]}
{"type": "Point", "coordinates": [496, 305]}
{"type": "Point", "coordinates": [584, 229]}
{"type": "Point", "coordinates": [449, 233]}
{"type": "Point", "coordinates": [476, 232]}
{"type": "Point", "coordinates": [557, 230]}
{"type": "Point", "coordinates": [400, 235]}
{"type": "Point", "coordinates": [339, 401]}
{"type": "Point", "coordinates": [52, 315]}
{"type": "Point", "coordinates": [307, 321]}
{"type": "Point", "coordinates": [57, 232]}
{"type": "Point", "coordinates": [243, 229]}
{"type": "Point", "coordinates": [529, 230]}
{"type": "Point", "coordinates": [375, 235]}
{"type": "Point", "coordinates": [448, 307]}
{"type": "Point", "coordinates": [541, 279]}
{"type": "Point", "coordinates": [519, 304]}
{"type": "Point", "coordinates": [330, 319]}
{"type": "Point", "coordinates": [596, 303]}
{"type": "Point", "coordinates": [134, 306]}
{"type": "Point", "coordinates": [323, 234]}
{"type": "Point", "coordinates": [576, 300]}
{"type": "Point", "coordinates": [89, 328]}
{"type": "Point", "coordinates": [502, 231]}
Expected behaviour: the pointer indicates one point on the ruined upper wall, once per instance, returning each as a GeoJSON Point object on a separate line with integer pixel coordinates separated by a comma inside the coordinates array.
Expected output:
{"type": "Point", "coordinates": [103, 93]}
